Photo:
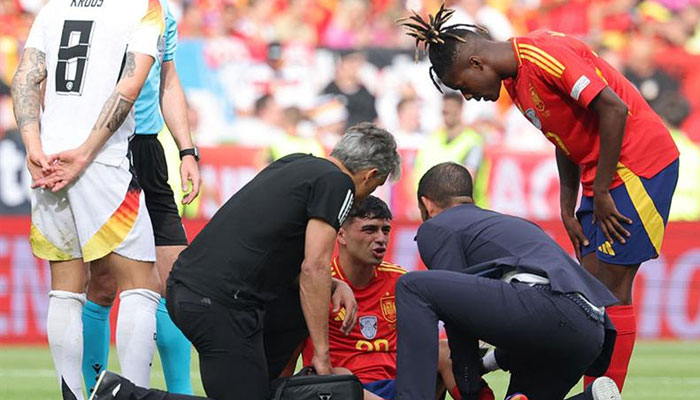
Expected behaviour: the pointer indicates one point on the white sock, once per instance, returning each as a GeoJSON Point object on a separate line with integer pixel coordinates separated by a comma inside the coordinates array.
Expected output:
{"type": "Point", "coordinates": [64, 328]}
{"type": "Point", "coordinates": [136, 334]}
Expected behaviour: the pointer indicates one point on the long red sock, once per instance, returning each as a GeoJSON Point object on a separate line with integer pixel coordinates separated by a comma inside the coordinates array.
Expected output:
{"type": "Point", "coordinates": [486, 393]}
{"type": "Point", "coordinates": [623, 319]}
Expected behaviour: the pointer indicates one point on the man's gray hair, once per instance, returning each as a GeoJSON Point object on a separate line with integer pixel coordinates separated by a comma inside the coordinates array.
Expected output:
{"type": "Point", "coordinates": [367, 146]}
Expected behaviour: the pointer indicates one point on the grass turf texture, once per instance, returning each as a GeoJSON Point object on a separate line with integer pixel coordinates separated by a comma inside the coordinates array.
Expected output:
{"type": "Point", "coordinates": [659, 371]}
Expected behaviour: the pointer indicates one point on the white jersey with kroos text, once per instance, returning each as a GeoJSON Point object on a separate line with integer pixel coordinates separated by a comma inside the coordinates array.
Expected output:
{"type": "Point", "coordinates": [85, 43]}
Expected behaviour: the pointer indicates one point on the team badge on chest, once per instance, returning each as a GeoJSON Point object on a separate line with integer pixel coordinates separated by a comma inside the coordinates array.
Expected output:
{"type": "Point", "coordinates": [368, 326]}
{"type": "Point", "coordinates": [388, 306]}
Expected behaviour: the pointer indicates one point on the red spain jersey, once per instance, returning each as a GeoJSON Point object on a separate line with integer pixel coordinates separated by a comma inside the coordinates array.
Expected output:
{"type": "Point", "coordinates": [370, 349]}
{"type": "Point", "coordinates": [558, 77]}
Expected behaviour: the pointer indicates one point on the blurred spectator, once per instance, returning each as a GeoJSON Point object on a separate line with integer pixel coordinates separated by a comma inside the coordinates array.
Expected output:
{"type": "Point", "coordinates": [479, 13]}
{"type": "Point", "coordinates": [330, 117]}
{"type": "Point", "coordinates": [409, 134]}
{"type": "Point", "coordinates": [359, 102]}
{"type": "Point", "coordinates": [651, 81]}
{"type": "Point", "coordinates": [349, 27]}
{"type": "Point", "coordinates": [263, 129]}
{"type": "Point", "coordinates": [296, 23]}
{"type": "Point", "coordinates": [298, 138]}
{"type": "Point", "coordinates": [686, 200]}
{"type": "Point", "coordinates": [454, 141]}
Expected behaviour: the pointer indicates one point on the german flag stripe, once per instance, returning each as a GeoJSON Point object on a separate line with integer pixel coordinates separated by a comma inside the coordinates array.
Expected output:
{"type": "Point", "coordinates": [115, 230]}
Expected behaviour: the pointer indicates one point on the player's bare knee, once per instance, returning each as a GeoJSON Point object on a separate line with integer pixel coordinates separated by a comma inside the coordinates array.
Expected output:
{"type": "Point", "coordinates": [102, 288]}
{"type": "Point", "coordinates": [70, 276]}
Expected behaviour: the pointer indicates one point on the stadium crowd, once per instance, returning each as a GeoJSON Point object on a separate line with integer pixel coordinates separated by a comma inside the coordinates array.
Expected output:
{"type": "Point", "coordinates": [300, 71]}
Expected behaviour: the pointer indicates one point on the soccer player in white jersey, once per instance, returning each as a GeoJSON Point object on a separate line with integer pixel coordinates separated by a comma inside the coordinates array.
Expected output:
{"type": "Point", "coordinates": [93, 57]}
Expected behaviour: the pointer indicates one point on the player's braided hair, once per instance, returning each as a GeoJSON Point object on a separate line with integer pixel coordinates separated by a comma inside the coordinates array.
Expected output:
{"type": "Point", "coordinates": [442, 42]}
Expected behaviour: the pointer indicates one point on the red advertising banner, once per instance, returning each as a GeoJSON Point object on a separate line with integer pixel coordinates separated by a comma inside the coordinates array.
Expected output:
{"type": "Point", "coordinates": [667, 290]}
{"type": "Point", "coordinates": [522, 184]}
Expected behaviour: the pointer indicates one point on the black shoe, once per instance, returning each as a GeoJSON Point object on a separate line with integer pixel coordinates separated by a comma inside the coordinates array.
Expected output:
{"type": "Point", "coordinates": [107, 386]}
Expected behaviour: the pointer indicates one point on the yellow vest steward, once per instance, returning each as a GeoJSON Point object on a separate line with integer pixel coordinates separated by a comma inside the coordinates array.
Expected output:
{"type": "Point", "coordinates": [437, 149]}
{"type": "Point", "coordinates": [686, 199]}
{"type": "Point", "coordinates": [294, 144]}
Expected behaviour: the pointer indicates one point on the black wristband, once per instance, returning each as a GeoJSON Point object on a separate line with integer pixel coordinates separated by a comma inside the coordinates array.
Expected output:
{"type": "Point", "coordinates": [193, 151]}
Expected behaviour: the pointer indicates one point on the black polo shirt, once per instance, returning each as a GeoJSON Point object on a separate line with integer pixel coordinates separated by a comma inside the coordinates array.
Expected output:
{"type": "Point", "coordinates": [254, 245]}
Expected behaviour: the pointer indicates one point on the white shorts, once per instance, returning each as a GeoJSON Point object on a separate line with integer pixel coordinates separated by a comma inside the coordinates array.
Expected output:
{"type": "Point", "coordinates": [103, 211]}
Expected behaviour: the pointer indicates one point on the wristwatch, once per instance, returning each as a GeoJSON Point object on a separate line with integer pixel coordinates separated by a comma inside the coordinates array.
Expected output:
{"type": "Point", "coordinates": [192, 151]}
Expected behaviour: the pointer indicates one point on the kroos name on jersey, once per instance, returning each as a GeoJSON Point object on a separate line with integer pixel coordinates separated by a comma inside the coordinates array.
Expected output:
{"type": "Point", "coordinates": [86, 3]}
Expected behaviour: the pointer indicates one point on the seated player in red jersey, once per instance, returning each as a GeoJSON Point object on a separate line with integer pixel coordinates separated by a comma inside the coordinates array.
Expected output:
{"type": "Point", "coordinates": [369, 351]}
{"type": "Point", "coordinates": [608, 140]}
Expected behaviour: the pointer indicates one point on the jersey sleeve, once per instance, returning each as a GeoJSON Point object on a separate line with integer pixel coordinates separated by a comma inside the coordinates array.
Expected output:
{"type": "Point", "coordinates": [148, 31]}
{"type": "Point", "coordinates": [573, 74]}
{"type": "Point", "coordinates": [170, 36]}
{"type": "Point", "coordinates": [331, 198]}
{"type": "Point", "coordinates": [35, 40]}
{"type": "Point", "coordinates": [439, 248]}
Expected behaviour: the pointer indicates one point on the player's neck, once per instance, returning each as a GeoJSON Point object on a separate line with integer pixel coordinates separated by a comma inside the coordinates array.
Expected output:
{"type": "Point", "coordinates": [358, 274]}
{"type": "Point", "coordinates": [502, 58]}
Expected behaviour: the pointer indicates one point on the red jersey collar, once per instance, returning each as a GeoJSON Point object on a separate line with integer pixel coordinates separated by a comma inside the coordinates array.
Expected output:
{"type": "Point", "coordinates": [341, 274]}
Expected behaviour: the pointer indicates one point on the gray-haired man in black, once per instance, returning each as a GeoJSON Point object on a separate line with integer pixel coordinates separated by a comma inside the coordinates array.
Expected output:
{"type": "Point", "coordinates": [500, 279]}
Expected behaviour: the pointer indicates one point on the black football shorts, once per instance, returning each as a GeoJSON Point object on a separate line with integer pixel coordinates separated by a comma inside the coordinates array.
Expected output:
{"type": "Point", "coordinates": [151, 170]}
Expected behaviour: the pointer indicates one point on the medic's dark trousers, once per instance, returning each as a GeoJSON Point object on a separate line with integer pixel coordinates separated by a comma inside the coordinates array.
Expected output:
{"type": "Point", "coordinates": [549, 339]}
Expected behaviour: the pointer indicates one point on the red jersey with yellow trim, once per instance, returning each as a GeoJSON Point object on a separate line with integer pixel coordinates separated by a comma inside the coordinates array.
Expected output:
{"type": "Point", "coordinates": [370, 349]}
{"type": "Point", "coordinates": [558, 77]}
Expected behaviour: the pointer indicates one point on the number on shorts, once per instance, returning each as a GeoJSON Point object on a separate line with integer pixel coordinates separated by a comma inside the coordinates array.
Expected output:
{"type": "Point", "coordinates": [73, 55]}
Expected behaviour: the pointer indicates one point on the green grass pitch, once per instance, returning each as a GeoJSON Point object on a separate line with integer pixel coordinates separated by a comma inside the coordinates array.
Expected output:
{"type": "Point", "coordinates": [659, 371]}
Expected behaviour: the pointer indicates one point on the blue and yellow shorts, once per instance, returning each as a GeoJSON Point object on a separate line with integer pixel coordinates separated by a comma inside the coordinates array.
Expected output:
{"type": "Point", "coordinates": [386, 389]}
{"type": "Point", "coordinates": [647, 203]}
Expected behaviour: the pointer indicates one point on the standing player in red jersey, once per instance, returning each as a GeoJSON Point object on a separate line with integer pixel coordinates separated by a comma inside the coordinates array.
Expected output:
{"type": "Point", "coordinates": [369, 350]}
{"type": "Point", "coordinates": [607, 139]}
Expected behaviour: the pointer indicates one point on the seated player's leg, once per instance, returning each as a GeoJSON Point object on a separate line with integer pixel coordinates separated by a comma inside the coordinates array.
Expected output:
{"type": "Point", "coordinates": [116, 232]}
{"type": "Point", "coordinates": [647, 203]}
{"type": "Point", "coordinates": [54, 238]}
{"type": "Point", "coordinates": [229, 342]}
{"type": "Point", "coordinates": [366, 393]}
{"type": "Point", "coordinates": [151, 170]}
{"type": "Point", "coordinates": [101, 290]}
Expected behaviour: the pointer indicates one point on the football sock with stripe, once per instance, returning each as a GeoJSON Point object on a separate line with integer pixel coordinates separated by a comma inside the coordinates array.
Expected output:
{"type": "Point", "coordinates": [175, 351]}
{"type": "Point", "coordinates": [95, 342]}
{"type": "Point", "coordinates": [64, 328]}
{"type": "Point", "coordinates": [623, 319]}
{"type": "Point", "coordinates": [136, 331]}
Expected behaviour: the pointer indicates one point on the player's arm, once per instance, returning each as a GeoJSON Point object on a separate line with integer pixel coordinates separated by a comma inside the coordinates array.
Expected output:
{"type": "Point", "coordinates": [612, 116]}
{"type": "Point", "coordinates": [569, 181]}
{"type": "Point", "coordinates": [174, 107]}
{"type": "Point", "coordinates": [71, 163]}
{"type": "Point", "coordinates": [343, 296]}
{"type": "Point", "coordinates": [26, 101]}
{"type": "Point", "coordinates": [315, 288]}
